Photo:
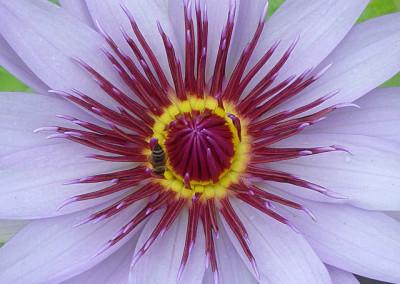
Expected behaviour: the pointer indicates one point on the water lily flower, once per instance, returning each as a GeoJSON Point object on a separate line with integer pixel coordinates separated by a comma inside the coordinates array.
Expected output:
{"type": "Point", "coordinates": [193, 142]}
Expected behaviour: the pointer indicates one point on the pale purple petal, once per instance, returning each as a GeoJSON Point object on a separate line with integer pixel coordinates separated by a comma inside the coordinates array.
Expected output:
{"type": "Point", "coordinates": [176, 18]}
{"type": "Point", "coordinates": [8, 228]}
{"type": "Point", "coordinates": [161, 262]}
{"type": "Point", "coordinates": [44, 31]}
{"type": "Point", "coordinates": [282, 255]}
{"type": "Point", "coordinates": [321, 25]}
{"type": "Point", "coordinates": [378, 116]}
{"type": "Point", "coordinates": [26, 112]}
{"type": "Point", "coordinates": [79, 9]}
{"type": "Point", "coordinates": [113, 269]}
{"type": "Point", "coordinates": [32, 180]}
{"type": "Point", "coordinates": [359, 63]}
{"type": "Point", "coordinates": [394, 214]}
{"type": "Point", "coordinates": [111, 17]}
{"type": "Point", "coordinates": [50, 250]}
{"type": "Point", "coordinates": [246, 21]}
{"type": "Point", "coordinates": [362, 242]}
{"type": "Point", "coordinates": [231, 267]}
{"type": "Point", "coordinates": [248, 16]}
{"type": "Point", "coordinates": [217, 14]}
{"type": "Point", "coordinates": [13, 63]}
{"type": "Point", "coordinates": [208, 277]}
{"type": "Point", "coordinates": [369, 178]}
{"type": "Point", "coordinates": [339, 276]}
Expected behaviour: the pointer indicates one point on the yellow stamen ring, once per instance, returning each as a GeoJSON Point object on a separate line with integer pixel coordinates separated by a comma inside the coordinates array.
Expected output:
{"type": "Point", "coordinates": [239, 161]}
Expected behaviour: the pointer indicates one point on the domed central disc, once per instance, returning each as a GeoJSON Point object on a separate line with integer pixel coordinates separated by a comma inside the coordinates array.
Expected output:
{"type": "Point", "coordinates": [199, 145]}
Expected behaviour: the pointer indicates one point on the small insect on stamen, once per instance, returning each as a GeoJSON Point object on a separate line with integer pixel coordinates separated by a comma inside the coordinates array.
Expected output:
{"type": "Point", "coordinates": [157, 157]}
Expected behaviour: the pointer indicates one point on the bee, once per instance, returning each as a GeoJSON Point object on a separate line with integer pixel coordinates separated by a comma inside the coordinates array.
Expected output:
{"type": "Point", "coordinates": [157, 160]}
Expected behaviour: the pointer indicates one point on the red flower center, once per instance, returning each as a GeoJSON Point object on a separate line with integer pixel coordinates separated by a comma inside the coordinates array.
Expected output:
{"type": "Point", "coordinates": [199, 145]}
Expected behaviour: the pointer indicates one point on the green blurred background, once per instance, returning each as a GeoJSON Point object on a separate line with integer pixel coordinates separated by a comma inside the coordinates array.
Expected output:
{"type": "Point", "coordinates": [374, 9]}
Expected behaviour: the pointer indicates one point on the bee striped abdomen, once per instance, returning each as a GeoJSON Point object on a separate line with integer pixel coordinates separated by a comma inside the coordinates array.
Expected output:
{"type": "Point", "coordinates": [157, 160]}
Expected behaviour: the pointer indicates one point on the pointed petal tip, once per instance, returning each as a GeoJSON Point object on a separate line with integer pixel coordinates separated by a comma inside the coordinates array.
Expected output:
{"type": "Point", "coordinates": [136, 258]}
{"type": "Point", "coordinates": [101, 30]}
{"type": "Point", "coordinates": [330, 95]}
{"type": "Point", "coordinates": [100, 218]}
{"type": "Point", "coordinates": [191, 246]}
{"type": "Point", "coordinates": [264, 13]}
{"type": "Point", "coordinates": [88, 178]}
{"type": "Point", "coordinates": [163, 232]}
{"type": "Point", "coordinates": [317, 187]}
{"type": "Point", "coordinates": [216, 276]}
{"type": "Point", "coordinates": [105, 247]}
{"type": "Point", "coordinates": [342, 105]}
{"type": "Point", "coordinates": [303, 125]}
{"type": "Point", "coordinates": [255, 268]}
{"type": "Point", "coordinates": [60, 93]}
{"type": "Point", "coordinates": [275, 44]}
{"type": "Point", "coordinates": [111, 124]}
{"type": "Point", "coordinates": [80, 62]}
{"type": "Point", "coordinates": [342, 148]}
{"type": "Point", "coordinates": [322, 72]}
{"type": "Point", "coordinates": [45, 128]}
{"type": "Point", "coordinates": [180, 271]}
{"type": "Point", "coordinates": [160, 29]}
{"type": "Point", "coordinates": [207, 260]}
{"type": "Point", "coordinates": [74, 133]}
{"type": "Point", "coordinates": [318, 120]}
{"type": "Point", "coordinates": [66, 117]}
{"type": "Point", "coordinates": [305, 153]}
{"type": "Point", "coordinates": [128, 14]}
{"type": "Point", "coordinates": [66, 202]}
{"type": "Point", "coordinates": [117, 235]}
{"type": "Point", "coordinates": [292, 226]}
{"type": "Point", "coordinates": [96, 110]}
{"type": "Point", "coordinates": [84, 221]}
{"type": "Point", "coordinates": [309, 213]}
{"type": "Point", "coordinates": [73, 181]}
{"type": "Point", "coordinates": [334, 195]}
{"type": "Point", "coordinates": [148, 243]}
{"type": "Point", "coordinates": [293, 44]}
